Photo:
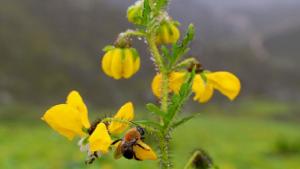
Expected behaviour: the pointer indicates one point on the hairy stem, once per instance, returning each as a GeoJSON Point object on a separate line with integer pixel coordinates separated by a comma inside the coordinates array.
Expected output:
{"type": "Point", "coordinates": [163, 140]}
{"type": "Point", "coordinates": [165, 162]}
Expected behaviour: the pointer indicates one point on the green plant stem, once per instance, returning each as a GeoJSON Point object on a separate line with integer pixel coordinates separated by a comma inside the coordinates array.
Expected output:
{"type": "Point", "coordinates": [131, 32]}
{"type": "Point", "coordinates": [164, 152]}
{"type": "Point", "coordinates": [190, 162]}
{"type": "Point", "coordinates": [162, 69]}
{"type": "Point", "coordinates": [185, 63]}
{"type": "Point", "coordinates": [163, 141]}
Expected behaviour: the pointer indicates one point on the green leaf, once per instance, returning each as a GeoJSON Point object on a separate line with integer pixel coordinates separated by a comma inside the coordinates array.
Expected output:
{"type": "Point", "coordinates": [183, 120]}
{"type": "Point", "coordinates": [160, 4]}
{"type": "Point", "coordinates": [181, 48]}
{"type": "Point", "coordinates": [178, 100]}
{"type": "Point", "coordinates": [165, 52]}
{"type": "Point", "coordinates": [148, 123]}
{"type": "Point", "coordinates": [155, 109]}
{"type": "Point", "coordinates": [107, 48]}
{"type": "Point", "coordinates": [146, 12]}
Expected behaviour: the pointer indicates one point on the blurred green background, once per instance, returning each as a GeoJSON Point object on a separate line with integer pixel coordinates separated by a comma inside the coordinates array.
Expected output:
{"type": "Point", "coordinates": [50, 47]}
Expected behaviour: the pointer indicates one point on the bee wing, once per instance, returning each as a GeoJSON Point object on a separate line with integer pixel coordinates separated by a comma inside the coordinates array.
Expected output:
{"type": "Point", "coordinates": [143, 151]}
{"type": "Point", "coordinates": [118, 152]}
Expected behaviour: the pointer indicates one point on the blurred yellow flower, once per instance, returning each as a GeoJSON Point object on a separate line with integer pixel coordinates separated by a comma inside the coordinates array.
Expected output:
{"type": "Point", "coordinates": [225, 82]}
{"type": "Point", "coordinates": [70, 118]}
{"type": "Point", "coordinates": [176, 79]}
{"type": "Point", "coordinates": [167, 33]}
{"type": "Point", "coordinates": [126, 112]}
{"type": "Point", "coordinates": [121, 62]}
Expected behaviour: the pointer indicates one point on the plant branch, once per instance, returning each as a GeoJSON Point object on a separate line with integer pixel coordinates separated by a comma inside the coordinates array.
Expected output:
{"type": "Point", "coordinates": [130, 32]}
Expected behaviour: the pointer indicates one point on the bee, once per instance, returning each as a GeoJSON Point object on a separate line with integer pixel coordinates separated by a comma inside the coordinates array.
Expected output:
{"type": "Point", "coordinates": [131, 146]}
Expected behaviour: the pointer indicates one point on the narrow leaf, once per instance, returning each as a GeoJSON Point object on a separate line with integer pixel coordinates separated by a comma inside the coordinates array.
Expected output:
{"type": "Point", "coordinates": [149, 123]}
{"type": "Point", "coordinates": [154, 109]}
{"type": "Point", "coordinates": [161, 4]}
{"type": "Point", "coordinates": [183, 120]}
{"type": "Point", "coordinates": [165, 52]}
{"type": "Point", "coordinates": [146, 12]}
{"type": "Point", "coordinates": [181, 48]}
{"type": "Point", "coordinates": [178, 100]}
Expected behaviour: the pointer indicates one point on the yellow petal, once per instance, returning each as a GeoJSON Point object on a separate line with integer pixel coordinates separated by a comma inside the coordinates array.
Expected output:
{"type": "Point", "coordinates": [176, 33]}
{"type": "Point", "coordinates": [156, 85]}
{"type": "Point", "coordinates": [203, 91]}
{"type": "Point", "coordinates": [176, 79]}
{"type": "Point", "coordinates": [106, 63]}
{"type": "Point", "coordinates": [143, 151]}
{"type": "Point", "coordinates": [116, 64]}
{"type": "Point", "coordinates": [100, 139]}
{"type": "Point", "coordinates": [136, 60]}
{"type": "Point", "coordinates": [126, 112]}
{"type": "Point", "coordinates": [225, 82]}
{"type": "Point", "coordinates": [74, 99]}
{"type": "Point", "coordinates": [64, 119]}
{"type": "Point", "coordinates": [128, 67]}
{"type": "Point", "coordinates": [165, 36]}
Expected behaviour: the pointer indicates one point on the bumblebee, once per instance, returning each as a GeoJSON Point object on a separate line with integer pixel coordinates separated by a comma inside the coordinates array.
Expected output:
{"type": "Point", "coordinates": [131, 146]}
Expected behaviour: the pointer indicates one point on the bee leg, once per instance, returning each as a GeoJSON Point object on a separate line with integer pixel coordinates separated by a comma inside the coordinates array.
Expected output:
{"type": "Point", "coordinates": [142, 147]}
{"type": "Point", "coordinates": [113, 143]}
{"type": "Point", "coordinates": [95, 154]}
{"type": "Point", "coordinates": [90, 160]}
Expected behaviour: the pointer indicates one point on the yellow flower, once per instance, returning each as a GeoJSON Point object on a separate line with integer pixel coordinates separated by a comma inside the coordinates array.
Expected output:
{"type": "Point", "coordinates": [176, 79]}
{"type": "Point", "coordinates": [100, 139]}
{"type": "Point", "coordinates": [225, 82]}
{"type": "Point", "coordinates": [203, 92]}
{"type": "Point", "coordinates": [135, 12]}
{"type": "Point", "coordinates": [126, 112]}
{"type": "Point", "coordinates": [167, 33]}
{"type": "Point", "coordinates": [121, 62]}
{"type": "Point", "coordinates": [70, 118]}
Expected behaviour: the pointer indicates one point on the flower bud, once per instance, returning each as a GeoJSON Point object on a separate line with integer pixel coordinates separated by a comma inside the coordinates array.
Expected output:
{"type": "Point", "coordinates": [121, 62]}
{"type": "Point", "coordinates": [135, 12]}
{"type": "Point", "coordinates": [167, 33]}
